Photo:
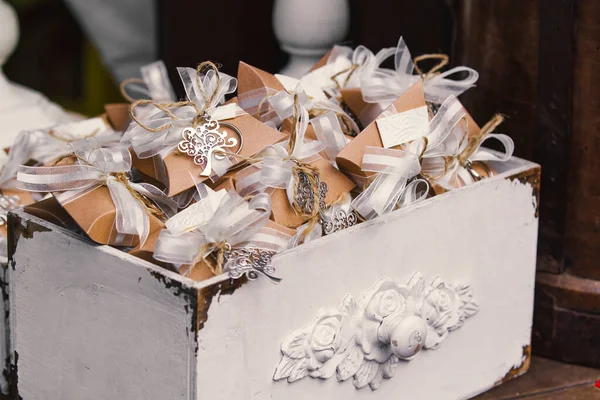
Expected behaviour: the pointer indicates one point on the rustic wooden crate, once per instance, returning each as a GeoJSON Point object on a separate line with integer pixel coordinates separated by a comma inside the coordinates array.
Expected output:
{"type": "Point", "coordinates": [91, 322]}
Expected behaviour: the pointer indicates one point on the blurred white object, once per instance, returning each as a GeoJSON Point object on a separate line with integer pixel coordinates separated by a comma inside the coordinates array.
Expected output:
{"type": "Point", "coordinates": [21, 108]}
{"type": "Point", "coordinates": [123, 31]}
{"type": "Point", "coordinates": [307, 29]}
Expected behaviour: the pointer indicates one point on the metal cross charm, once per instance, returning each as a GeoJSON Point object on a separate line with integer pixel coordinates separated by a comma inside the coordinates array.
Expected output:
{"type": "Point", "coordinates": [205, 141]}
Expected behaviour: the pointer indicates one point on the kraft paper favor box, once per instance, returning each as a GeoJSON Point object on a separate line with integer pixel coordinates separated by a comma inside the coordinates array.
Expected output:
{"type": "Point", "coordinates": [256, 136]}
{"type": "Point", "coordinates": [95, 214]}
{"type": "Point", "coordinates": [251, 78]}
{"type": "Point", "coordinates": [281, 210]}
{"type": "Point", "coordinates": [350, 158]}
{"type": "Point", "coordinates": [93, 322]}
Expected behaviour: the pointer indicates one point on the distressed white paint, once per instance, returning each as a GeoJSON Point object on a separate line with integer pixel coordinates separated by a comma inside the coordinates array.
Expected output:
{"type": "Point", "coordinates": [87, 323]}
{"type": "Point", "coordinates": [75, 305]}
{"type": "Point", "coordinates": [484, 234]}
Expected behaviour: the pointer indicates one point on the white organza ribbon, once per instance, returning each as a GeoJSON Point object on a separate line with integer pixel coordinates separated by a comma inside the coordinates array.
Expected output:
{"type": "Point", "coordinates": [46, 145]}
{"type": "Point", "coordinates": [276, 168]}
{"type": "Point", "coordinates": [329, 132]}
{"type": "Point", "coordinates": [282, 106]}
{"type": "Point", "coordinates": [384, 86]}
{"type": "Point", "coordinates": [236, 222]}
{"type": "Point", "coordinates": [98, 169]}
{"type": "Point", "coordinates": [390, 187]}
{"type": "Point", "coordinates": [207, 92]}
{"type": "Point", "coordinates": [449, 180]}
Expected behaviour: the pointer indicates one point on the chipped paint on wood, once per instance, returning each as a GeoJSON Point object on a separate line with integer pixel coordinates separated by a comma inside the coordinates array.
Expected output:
{"type": "Point", "coordinates": [90, 322]}
{"type": "Point", "coordinates": [518, 370]}
{"type": "Point", "coordinates": [533, 178]}
{"type": "Point", "coordinates": [207, 294]}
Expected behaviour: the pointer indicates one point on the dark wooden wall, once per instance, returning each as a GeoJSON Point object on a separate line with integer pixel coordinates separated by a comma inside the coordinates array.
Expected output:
{"type": "Point", "coordinates": [242, 30]}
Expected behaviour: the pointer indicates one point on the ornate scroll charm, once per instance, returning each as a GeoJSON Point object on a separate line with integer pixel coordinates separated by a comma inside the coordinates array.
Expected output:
{"type": "Point", "coordinates": [305, 194]}
{"type": "Point", "coordinates": [205, 141]}
{"type": "Point", "coordinates": [338, 221]}
{"type": "Point", "coordinates": [367, 339]}
{"type": "Point", "coordinates": [8, 203]}
{"type": "Point", "coordinates": [251, 262]}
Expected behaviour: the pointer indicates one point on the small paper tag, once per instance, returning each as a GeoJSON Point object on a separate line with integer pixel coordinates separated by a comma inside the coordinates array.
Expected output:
{"type": "Point", "coordinates": [403, 127]}
{"type": "Point", "coordinates": [197, 214]}
{"type": "Point", "coordinates": [80, 129]}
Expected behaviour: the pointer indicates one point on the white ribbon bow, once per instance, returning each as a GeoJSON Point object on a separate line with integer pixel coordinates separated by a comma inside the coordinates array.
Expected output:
{"type": "Point", "coordinates": [329, 132]}
{"type": "Point", "coordinates": [390, 188]}
{"type": "Point", "coordinates": [205, 92]}
{"type": "Point", "coordinates": [385, 85]}
{"type": "Point", "coordinates": [282, 105]}
{"type": "Point", "coordinates": [237, 224]}
{"type": "Point", "coordinates": [99, 166]}
{"type": "Point", "coordinates": [276, 168]}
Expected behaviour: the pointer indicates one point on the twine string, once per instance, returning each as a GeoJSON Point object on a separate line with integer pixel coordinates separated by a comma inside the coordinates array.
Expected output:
{"type": "Point", "coordinates": [200, 117]}
{"type": "Point", "coordinates": [213, 255]}
{"type": "Point", "coordinates": [128, 82]}
{"type": "Point", "coordinates": [121, 177]}
{"type": "Point", "coordinates": [443, 61]}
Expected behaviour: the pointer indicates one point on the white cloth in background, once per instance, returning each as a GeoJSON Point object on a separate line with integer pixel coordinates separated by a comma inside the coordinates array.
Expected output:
{"type": "Point", "coordinates": [124, 32]}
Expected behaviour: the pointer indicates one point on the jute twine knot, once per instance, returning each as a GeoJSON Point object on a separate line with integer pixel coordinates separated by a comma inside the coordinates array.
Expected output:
{"type": "Point", "coordinates": [87, 136]}
{"type": "Point", "coordinates": [443, 61]}
{"type": "Point", "coordinates": [128, 82]}
{"type": "Point", "coordinates": [200, 117]}
{"type": "Point", "coordinates": [122, 177]}
{"type": "Point", "coordinates": [350, 70]}
{"type": "Point", "coordinates": [213, 255]}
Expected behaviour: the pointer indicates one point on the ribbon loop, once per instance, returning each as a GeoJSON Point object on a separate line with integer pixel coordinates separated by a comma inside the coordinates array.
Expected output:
{"type": "Point", "coordinates": [98, 166]}
{"type": "Point", "coordinates": [394, 168]}
{"type": "Point", "coordinates": [384, 86]}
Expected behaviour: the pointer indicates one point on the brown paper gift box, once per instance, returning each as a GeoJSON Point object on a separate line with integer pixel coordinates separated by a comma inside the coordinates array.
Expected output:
{"type": "Point", "coordinates": [251, 78]}
{"type": "Point", "coordinates": [50, 210]}
{"type": "Point", "coordinates": [350, 158]}
{"type": "Point", "coordinates": [256, 136]}
{"type": "Point", "coordinates": [145, 252]}
{"type": "Point", "coordinates": [118, 115]}
{"type": "Point", "coordinates": [201, 271]}
{"type": "Point", "coordinates": [94, 212]}
{"type": "Point", "coordinates": [281, 210]}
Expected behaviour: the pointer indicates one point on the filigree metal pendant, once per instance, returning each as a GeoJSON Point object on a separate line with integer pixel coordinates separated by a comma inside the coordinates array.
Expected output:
{"type": "Point", "coordinates": [8, 203]}
{"type": "Point", "coordinates": [205, 141]}
{"type": "Point", "coordinates": [250, 261]}
{"type": "Point", "coordinates": [340, 220]}
{"type": "Point", "coordinates": [305, 194]}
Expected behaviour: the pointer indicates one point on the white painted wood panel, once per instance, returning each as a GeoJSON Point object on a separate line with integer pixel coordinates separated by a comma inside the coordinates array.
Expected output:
{"type": "Point", "coordinates": [484, 235]}
{"type": "Point", "coordinates": [89, 324]}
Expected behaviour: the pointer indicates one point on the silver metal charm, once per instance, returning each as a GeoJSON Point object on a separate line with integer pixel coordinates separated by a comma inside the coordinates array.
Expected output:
{"type": "Point", "coordinates": [250, 261]}
{"type": "Point", "coordinates": [338, 221]}
{"type": "Point", "coordinates": [305, 194]}
{"type": "Point", "coordinates": [205, 141]}
{"type": "Point", "coordinates": [8, 203]}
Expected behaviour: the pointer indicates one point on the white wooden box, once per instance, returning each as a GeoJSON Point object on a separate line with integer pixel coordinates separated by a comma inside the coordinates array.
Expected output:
{"type": "Point", "coordinates": [91, 322]}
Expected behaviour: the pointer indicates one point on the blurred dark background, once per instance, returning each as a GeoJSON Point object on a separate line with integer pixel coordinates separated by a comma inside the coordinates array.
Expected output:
{"type": "Point", "coordinates": [538, 62]}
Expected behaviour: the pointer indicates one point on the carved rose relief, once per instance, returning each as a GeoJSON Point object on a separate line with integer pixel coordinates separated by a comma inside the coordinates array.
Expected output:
{"type": "Point", "coordinates": [366, 340]}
